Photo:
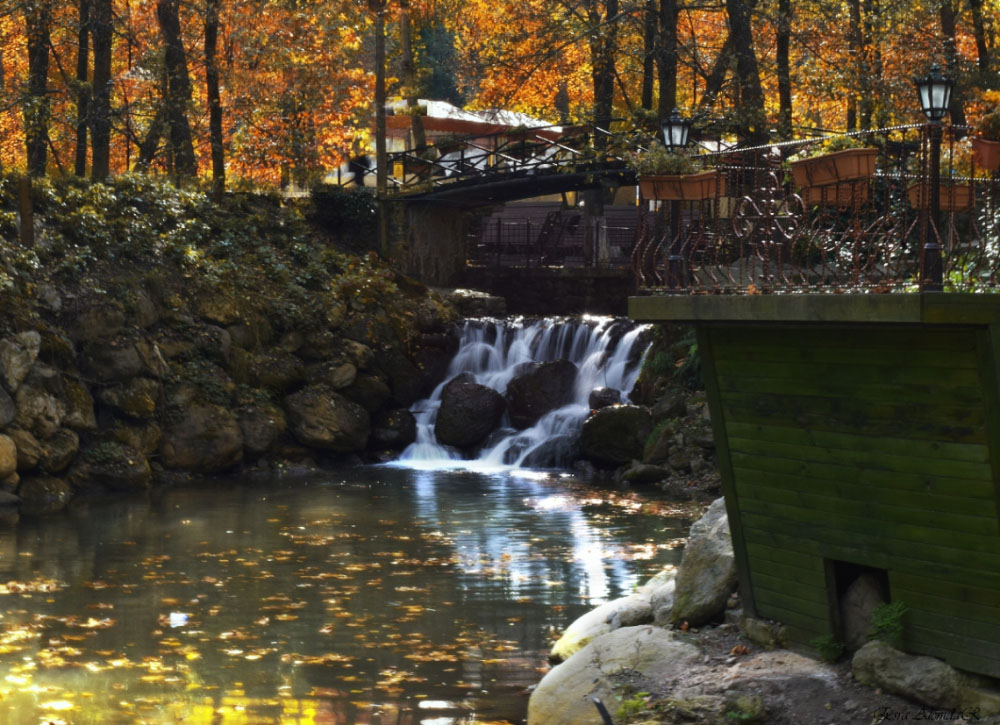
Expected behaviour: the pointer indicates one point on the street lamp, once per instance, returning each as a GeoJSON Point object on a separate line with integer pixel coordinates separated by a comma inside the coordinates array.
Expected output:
{"type": "Point", "coordinates": [675, 136]}
{"type": "Point", "coordinates": [935, 98]}
{"type": "Point", "coordinates": [675, 131]}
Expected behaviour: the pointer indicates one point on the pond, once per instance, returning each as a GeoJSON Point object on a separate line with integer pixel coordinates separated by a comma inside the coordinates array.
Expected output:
{"type": "Point", "coordinates": [369, 595]}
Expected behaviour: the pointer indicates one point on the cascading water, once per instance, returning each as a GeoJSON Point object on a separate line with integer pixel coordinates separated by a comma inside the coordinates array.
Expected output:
{"type": "Point", "coordinates": [606, 351]}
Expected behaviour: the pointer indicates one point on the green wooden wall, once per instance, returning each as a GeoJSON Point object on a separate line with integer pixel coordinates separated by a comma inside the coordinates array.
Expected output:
{"type": "Point", "coordinates": [868, 444]}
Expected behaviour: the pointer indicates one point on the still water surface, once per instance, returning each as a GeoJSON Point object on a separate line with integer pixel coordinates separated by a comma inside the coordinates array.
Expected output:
{"type": "Point", "coordinates": [375, 595]}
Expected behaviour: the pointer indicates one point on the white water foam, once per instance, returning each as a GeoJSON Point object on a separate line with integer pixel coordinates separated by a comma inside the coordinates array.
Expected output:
{"type": "Point", "coordinates": [604, 350]}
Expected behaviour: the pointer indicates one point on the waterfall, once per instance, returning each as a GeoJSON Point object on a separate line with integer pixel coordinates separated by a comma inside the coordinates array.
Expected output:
{"type": "Point", "coordinates": [607, 352]}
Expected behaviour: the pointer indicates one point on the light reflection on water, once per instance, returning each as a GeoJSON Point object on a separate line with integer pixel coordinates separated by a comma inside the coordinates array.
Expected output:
{"type": "Point", "coordinates": [378, 595]}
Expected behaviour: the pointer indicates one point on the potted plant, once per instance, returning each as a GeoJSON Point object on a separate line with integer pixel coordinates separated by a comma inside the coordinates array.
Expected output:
{"type": "Point", "coordinates": [833, 160]}
{"type": "Point", "coordinates": [986, 142]}
{"type": "Point", "coordinates": [669, 176]}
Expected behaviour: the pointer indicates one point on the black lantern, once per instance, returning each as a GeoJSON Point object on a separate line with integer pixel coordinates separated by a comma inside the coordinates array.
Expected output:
{"type": "Point", "coordinates": [935, 94]}
{"type": "Point", "coordinates": [675, 131]}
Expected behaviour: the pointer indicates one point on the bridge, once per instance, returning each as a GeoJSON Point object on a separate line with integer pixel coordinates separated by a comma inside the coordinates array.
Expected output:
{"type": "Point", "coordinates": [761, 225]}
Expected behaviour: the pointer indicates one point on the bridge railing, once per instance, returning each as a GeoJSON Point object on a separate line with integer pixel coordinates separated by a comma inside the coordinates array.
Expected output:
{"type": "Point", "coordinates": [765, 222]}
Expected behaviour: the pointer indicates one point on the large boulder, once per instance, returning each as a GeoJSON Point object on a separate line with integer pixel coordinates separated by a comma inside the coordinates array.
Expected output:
{"type": "Point", "coordinates": [41, 408]}
{"type": "Point", "coordinates": [857, 609]}
{"type": "Point", "coordinates": [111, 360]}
{"type": "Point", "coordinates": [17, 355]}
{"type": "Point", "coordinates": [564, 696]}
{"type": "Point", "coordinates": [79, 406]}
{"type": "Point", "coordinates": [113, 465]}
{"type": "Point", "coordinates": [603, 397]}
{"type": "Point", "coordinates": [322, 418]}
{"type": "Point", "coordinates": [277, 370]}
{"type": "Point", "coordinates": [707, 574]}
{"type": "Point", "coordinates": [43, 494]}
{"type": "Point", "coordinates": [8, 409]}
{"type": "Point", "coordinates": [135, 398]}
{"type": "Point", "coordinates": [8, 456]}
{"type": "Point", "coordinates": [469, 412]}
{"type": "Point", "coordinates": [368, 391]}
{"type": "Point", "coordinates": [538, 388]}
{"type": "Point", "coordinates": [59, 450]}
{"type": "Point", "coordinates": [394, 429]}
{"type": "Point", "coordinates": [625, 611]}
{"type": "Point", "coordinates": [616, 435]}
{"type": "Point", "coordinates": [29, 450]}
{"type": "Point", "coordinates": [924, 679]}
{"type": "Point", "coordinates": [202, 437]}
{"type": "Point", "coordinates": [261, 425]}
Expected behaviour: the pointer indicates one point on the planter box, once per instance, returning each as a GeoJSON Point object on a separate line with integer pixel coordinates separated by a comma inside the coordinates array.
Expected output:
{"type": "Point", "coordinates": [986, 154]}
{"type": "Point", "coordinates": [847, 165]}
{"type": "Point", "coordinates": [842, 196]}
{"type": "Point", "coordinates": [954, 197]}
{"type": "Point", "coordinates": [686, 187]}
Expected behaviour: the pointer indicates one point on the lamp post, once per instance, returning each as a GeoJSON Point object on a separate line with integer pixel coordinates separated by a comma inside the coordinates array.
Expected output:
{"type": "Point", "coordinates": [935, 98]}
{"type": "Point", "coordinates": [675, 137]}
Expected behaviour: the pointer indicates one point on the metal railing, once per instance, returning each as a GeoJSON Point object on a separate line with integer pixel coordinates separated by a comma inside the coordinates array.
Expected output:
{"type": "Point", "coordinates": [765, 225]}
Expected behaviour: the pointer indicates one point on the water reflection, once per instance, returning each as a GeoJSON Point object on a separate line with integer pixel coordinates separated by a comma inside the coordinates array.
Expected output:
{"type": "Point", "coordinates": [382, 595]}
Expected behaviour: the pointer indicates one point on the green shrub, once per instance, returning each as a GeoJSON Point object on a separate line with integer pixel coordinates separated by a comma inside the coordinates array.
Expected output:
{"type": "Point", "coordinates": [828, 647]}
{"type": "Point", "coordinates": [887, 623]}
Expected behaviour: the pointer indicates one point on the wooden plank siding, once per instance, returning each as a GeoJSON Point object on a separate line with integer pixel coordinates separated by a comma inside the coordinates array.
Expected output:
{"type": "Point", "coordinates": [870, 444]}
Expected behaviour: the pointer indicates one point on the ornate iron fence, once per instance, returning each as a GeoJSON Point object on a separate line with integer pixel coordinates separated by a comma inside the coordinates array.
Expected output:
{"type": "Point", "coordinates": [766, 223]}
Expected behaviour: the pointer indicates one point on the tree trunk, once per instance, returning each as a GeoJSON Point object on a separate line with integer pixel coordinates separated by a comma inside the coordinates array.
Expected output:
{"type": "Point", "coordinates": [214, 99]}
{"type": "Point", "coordinates": [410, 90]}
{"type": "Point", "coordinates": [666, 58]}
{"type": "Point", "coordinates": [83, 89]}
{"type": "Point", "coordinates": [979, 30]}
{"type": "Point", "coordinates": [717, 76]}
{"type": "Point", "coordinates": [649, 27]}
{"type": "Point", "coordinates": [36, 111]}
{"type": "Point", "coordinates": [603, 45]}
{"type": "Point", "coordinates": [957, 108]}
{"type": "Point", "coordinates": [783, 42]}
{"type": "Point", "coordinates": [856, 45]}
{"type": "Point", "coordinates": [751, 121]}
{"type": "Point", "coordinates": [100, 106]}
{"type": "Point", "coordinates": [178, 89]}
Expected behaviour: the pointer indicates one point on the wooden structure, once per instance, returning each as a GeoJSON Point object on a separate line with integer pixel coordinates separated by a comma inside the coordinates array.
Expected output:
{"type": "Point", "coordinates": [859, 433]}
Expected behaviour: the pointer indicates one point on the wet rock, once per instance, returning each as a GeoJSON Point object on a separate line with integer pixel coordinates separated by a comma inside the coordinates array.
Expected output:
{"type": "Point", "coordinates": [10, 483]}
{"type": "Point", "coordinates": [335, 375]}
{"type": "Point", "coordinates": [643, 473]}
{"type": "Point", "coordinates": [8, 498]}
{"type": "Point", "coordinates": [359, 354]}
{"type": "Point", "coordinates": [538, 388]}
{"type": "Point", "coordinates": [615, 435]}
{"type": "Point", "coordinates": [369, 392]}
{"type": "Point", "coordinates": [8, 456]}
{"type": "Point", "coordinates": [17, 356]}
{"type": "Point", "coordinates": [58, 451]}
{"type": "Point", "coordinates": [43, 494]}
{"type": "Point", "coordinates": [394, 429]}
{"type": "Point", "coordinates": [475, 303]}
{"type": "Point", "coordinates": [924, 679]}
{"type": "Point", "coordinates": [563, 697]}
{"type": "Point", "coordinates": [707, 574]}
{"type": "Point", "coordinates": [623, 612]}
{"type": "Point", "coordinates": [203, 437]}
{"type": "Point", "coordinates": [135, 398]}
{"type": "Point", "coordinates": [112, 465]}
{"type": "Point", "coordinates": [603, 397]}
{"type": "Point", "coordinates": [29, 450]}
{"type": "Point", "coordinates": [553, 452]}
{"type": "Point", "coordinates": [261, 425]}
{"type": "Point", "coordinates": [322, 418]}
{"type": "Point", "coordinates": [319, 345]}
{"type": "Point", "coordinates": [153, 363]}
{"type": "Point", "coordinates": [469, 412]}
{"type": "Point", "coordinates": [405, 379]}
{"type": "Point", "coordinates": [277, 370]}
{"type": "Point", "coordinates": [217, 308]}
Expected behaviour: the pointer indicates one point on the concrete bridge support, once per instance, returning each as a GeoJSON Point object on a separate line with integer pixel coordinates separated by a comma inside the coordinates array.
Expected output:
{"type": "Point", "coordinates": [427, 240]}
